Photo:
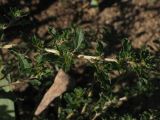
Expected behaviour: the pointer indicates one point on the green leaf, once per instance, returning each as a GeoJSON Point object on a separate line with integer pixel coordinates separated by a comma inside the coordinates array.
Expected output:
{"type": "Point", "coordinates": [14, 12]}
{"type": "Point", "coordinates": [68, 60]}
{"type": "Point", "coordinates": [23, 62]}
{"type": "Point", "coordinates": [94, 3]}
{"type": "Point", "coordinates": [126, 45]}
{"type": "Point", "coordinates": [7, 109]}
{"type": "Point", "coordinates": [99, 48]}
{"type": "Point", "coordinates": [80, 38]}
{"type": "Point", "coordinates": [52, 30]}
{"type": "Point", "coordinates": [39, 59]}
{"type": "Point", "coordinates": [35, 82]}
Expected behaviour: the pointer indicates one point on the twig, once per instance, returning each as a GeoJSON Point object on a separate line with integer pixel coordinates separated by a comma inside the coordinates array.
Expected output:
{"type": "Point", "coordinates": [87, 57]}
{"type": "Point", "coordinates": [85, 105]}
{"type": "Point", "coordinates": [108, 104]}
{"type": "Point", "coordinates": [70, 115]}
{"type": "Point", "coordinates": [91, 58]}
{"type": "Point", "coordinates": [56, 52]}
{"type": "Point", "coordinates": [17, 82]}
{"type": "Point", "coordinates": [8, 46]}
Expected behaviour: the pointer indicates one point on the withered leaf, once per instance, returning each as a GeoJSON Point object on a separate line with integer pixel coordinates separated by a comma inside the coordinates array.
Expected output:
{"type": "Point", "coordinates": [59, 86]}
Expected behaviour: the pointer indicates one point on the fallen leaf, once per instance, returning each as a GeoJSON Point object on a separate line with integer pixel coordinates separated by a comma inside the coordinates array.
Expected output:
{"type": "Point", "coordinates": [59, 86]}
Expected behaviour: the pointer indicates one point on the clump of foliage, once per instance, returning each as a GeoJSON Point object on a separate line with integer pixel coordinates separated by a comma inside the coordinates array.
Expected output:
{"type": "Point", "coordinates": [132, 76]}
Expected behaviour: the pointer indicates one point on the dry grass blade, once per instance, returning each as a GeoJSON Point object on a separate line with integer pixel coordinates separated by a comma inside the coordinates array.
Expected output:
{"type": "Point", "coordinates": [59, 86]}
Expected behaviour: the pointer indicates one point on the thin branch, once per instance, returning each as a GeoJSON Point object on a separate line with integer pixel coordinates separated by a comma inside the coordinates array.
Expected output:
{"type": "Point", "coordinates": [56, 52]}
{"type": "Point", "coordinates": [87, 57]}
{"type": "Point", "coordinates": [17, 82]}
{"type": "Point", "coordinates": [8, 46]}
{"type": "Point", "coordinates": [91, 58]}
{"type": "Point", "coordinates": [108, 104]}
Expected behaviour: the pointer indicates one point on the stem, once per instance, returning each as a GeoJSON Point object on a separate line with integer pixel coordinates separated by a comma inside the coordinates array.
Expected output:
{"type": "Point", "coordinates": [87, 57]}
{"type": "Point", "coordinates": [85, 105]}
{"type": "Point", "coordinates": [17, 82]}
{"type": "Point", "coordinates": [70, 115]}
{"type": "Point", "coordinates": [108, 104]}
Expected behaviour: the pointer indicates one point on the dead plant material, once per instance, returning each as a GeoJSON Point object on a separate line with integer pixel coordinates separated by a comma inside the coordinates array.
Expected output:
{"type": "Point", "coordinates": [59, 86]}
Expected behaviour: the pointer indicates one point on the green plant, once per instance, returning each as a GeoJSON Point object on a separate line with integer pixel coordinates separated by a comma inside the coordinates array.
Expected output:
{"type": "Point", "coordinates": [104, 94]}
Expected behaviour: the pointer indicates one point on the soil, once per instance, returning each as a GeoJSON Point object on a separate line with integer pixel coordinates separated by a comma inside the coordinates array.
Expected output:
{"type": "Point", "coordinates": [139, 21]}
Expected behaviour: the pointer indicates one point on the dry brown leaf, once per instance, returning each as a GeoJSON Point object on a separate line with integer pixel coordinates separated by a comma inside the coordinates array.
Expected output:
{"type": "Point", "coordinates": [59, 86]}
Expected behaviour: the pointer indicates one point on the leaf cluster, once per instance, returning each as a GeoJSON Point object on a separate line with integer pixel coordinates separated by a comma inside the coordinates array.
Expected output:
{"type": "Point", "coordinates": [104, 93]}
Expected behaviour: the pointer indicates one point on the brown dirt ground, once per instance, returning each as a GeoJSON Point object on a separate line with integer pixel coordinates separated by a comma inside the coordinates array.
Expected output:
{"type": "Point", "coordinates": [138, 20]}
